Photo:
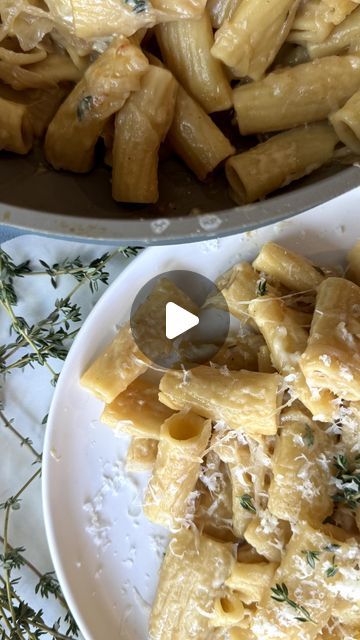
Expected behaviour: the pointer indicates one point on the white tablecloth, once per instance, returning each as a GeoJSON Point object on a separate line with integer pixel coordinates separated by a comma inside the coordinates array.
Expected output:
{"type": "Point", "coordinates": [26, 397]}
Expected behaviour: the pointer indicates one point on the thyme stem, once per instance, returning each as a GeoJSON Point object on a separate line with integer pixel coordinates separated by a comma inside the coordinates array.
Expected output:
{"type": "Point", "coordinates": [24, 441]}
{"type": "Point", "coordinates": [7, 571]}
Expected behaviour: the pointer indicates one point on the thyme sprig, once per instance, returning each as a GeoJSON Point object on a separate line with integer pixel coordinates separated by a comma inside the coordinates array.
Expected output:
{"type": "Point", "coordinates": [281, 594]}
{"type": "Point", "coordinates": [348, 477]}
{"type": "Point", "coordinates": [38, 344]}
{"type": "Point", "coordinates": [50, 337]}
{"type": "Point", "coordinates": [246, 502]}
{"type": "Point", "coordinates": [311, 557]}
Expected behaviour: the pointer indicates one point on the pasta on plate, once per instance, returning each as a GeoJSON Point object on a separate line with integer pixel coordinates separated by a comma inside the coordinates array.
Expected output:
{"type": "Point", "coordinates": [265, 91]}
{"type": "Point", "coordinates": [254, 459]}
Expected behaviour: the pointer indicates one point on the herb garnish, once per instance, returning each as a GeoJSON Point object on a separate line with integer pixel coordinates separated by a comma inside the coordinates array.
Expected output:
{"type": "Point", "coordinates": [247, 503]}
{"type": "Point", "coordinates": [281, 594]}
{"type": "Point", "coordinates": [332, 570]}
{"type": "Point", "coordinates": [311, 557]}
{"type": "Point", "coordinates": [84, 107]}
{"type": "Point", "coordinates": [309, 436]}
{"type": "Point", "coordinates": [138, 5]}
{"type": "Point", "coordinates": [261, 287]}
{"type": "Point", "coordinates": [349, 477]}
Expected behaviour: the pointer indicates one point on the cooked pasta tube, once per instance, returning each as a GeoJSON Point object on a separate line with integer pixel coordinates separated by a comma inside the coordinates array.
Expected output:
{"type": "Point", "coordinates": [306, 592]}
{"type": "Point", "coordinates": [140, 127]}
{"type": "Point", "coordinates": [297, 95]}
{"type": "Point", "coordinates": [339, 9]}
{"type": "Point", "coordinates": [279, 161]}
{"type": "Point", "coordinates": [240, 353]}
{"type": "Point", "coordinates": [185, 46]}
{"type": "Point", "coordinates": [249, 41]}
{"type": "Point", "coordinates": [16, 132]}
{"type": "Point", "coordinates": [73, 133]}
{"type": "Point", "coordinates": [332, 357]}
{"type": "Point", "coordinates": [195, 137]}
{"type": "Point", "coordinates": [91, 21]}
{"type": "Point", "coordinates": [239, 286]}
{"type": "Point", "coordinates": [290, 269]}
{"type": "Point", "coordinates": [141, 454]}
{"type": "Point", "coordinates": [346, 123]}
{"type": "Point", "coordinates": [344, 38]}
{"type": "Point", "coordinates": [221, 10]}
{"type": "Point", "coordinates": [265, 364]}
{"type": "Point", "coordinates": [137, 410]}
{"type": "Point", "coordinates": [228, 610]}
{"type": "Point", "coordinates": [40, 75]}
{"type": "Point", "coordinates": [247, 553]}
{"type": "Point", "coordinates": [21, 57]}
{"type": "Point", "coordinates": [312, 22]}
{"type": "Point", "coordinates": [268, 535]}
{"type": "Point", "coordinates": [183, 440]}
{"type": "Point", "coordinates": [353, 270]}
{"type": "Point", "coordinates": [115, 368]}
{"type": "Point", "coordinates": [287, 340]}
{"type": "Point", "coordinates": [41, 104]}
{"type": "Point", "coordinates": [238, 459]}
{"type": "Point", "coordinates": [245, 400]}
{"type": "Point", "coordinates": [251, 581]}
{"type": "Point", "coordinates": [300, 487]}
{"type": "Point", "coordinates": [191, 579]}
{"type": "Point", "coordinates": [213, 514]}
{"type": "Point", "coordinates": [169, 10]}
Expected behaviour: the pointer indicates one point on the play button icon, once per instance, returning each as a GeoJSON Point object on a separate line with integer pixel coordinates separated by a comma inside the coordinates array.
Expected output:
{"type": "Point", "coordinates": [179, 319]}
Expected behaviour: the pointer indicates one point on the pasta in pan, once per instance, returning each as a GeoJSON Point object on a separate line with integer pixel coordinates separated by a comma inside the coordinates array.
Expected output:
{"type": "Point", "coordinates": [286, 67]}
{"type": "Point", "coordinates": [256, 480]}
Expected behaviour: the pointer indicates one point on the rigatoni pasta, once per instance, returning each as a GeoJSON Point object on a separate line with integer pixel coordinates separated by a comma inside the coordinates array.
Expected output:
{"type": "Point", "coordinates": [183, 441]}
{"type": "Point", "coordinates": [140, 127]}
{"type": "Point", "coordinates": [15, 127]}
{"type": "Point", "coordinates": [206, 47]}
{"type": "Point", "coordinates": [273, 104]}
{"type": "Point", "coordinates": [249, 41]}
{"type": "Point", "coordinates": [256, 474]}
{"type": "Point", "coordinates": [346, 123]}
{"type": "Point", "coordinates": [283, 158]}
{"type": "Point", "coordinates": [185, 46]}
{"type": "Point", "coordinates": [237, 397]}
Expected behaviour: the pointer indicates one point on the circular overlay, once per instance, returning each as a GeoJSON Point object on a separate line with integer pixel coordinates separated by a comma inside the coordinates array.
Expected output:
{"type": "Point", "coordinates": [195, 300]}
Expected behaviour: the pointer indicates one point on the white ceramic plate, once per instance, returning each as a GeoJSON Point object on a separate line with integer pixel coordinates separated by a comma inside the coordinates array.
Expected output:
{"type": "Point", "coordinates": [104, 551]}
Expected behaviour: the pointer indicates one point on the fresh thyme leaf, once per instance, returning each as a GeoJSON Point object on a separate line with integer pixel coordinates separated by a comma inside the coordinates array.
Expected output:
{"type": "Point", "coordinates": [281, 594]}
{"type": "Point", "coordinates": [83, 108]}
{"type": "Point", "coordinates": [332, 570]}
{"type": "Point", "coordinates": [72, 626]}
{"type": "Point", "coordinates": [261, 287]}
{"type": "Point", "coordinates": [12, 559]}
{"type": "Point", "coordinates": [138, 5]}
{"type": "Point", "coordinates": [131, 251]}
{"type": "Point", "coordinates": [49, 584]}
{"type": "Point", "coordinates": [13, 503]}
{"type": "Point", "coordinates": [348, 476]}
{"type": "Point", "coordinates": [309, 436]}
{"type": "Point", "coordinates": [311, 557]}
{"type": "Point", "coordinates": [332, 547]}
{"type": "Point", "coordinates": [247, 503]}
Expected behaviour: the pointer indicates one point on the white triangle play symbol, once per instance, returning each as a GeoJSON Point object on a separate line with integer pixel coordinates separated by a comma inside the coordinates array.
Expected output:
{"type": "Point", "coordinates": [178, 320]}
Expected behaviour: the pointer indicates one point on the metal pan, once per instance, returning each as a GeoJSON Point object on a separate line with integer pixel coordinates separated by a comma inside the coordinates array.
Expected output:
{"type": "Point", "coordinates": [37, 199]}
